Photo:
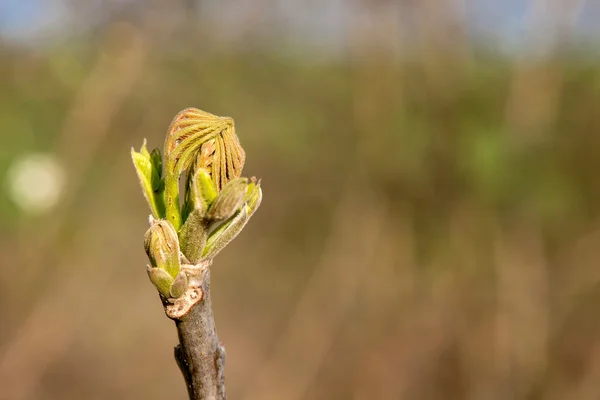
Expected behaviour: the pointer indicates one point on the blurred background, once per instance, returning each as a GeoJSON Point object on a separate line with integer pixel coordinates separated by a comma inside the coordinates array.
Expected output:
{"type": "Point", "coordinates": [430, 224]}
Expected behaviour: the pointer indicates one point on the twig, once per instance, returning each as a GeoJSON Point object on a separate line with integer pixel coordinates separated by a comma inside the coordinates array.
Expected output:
{"type": "Point", "coordinates": [199, 355]}
{"type": "Point", "coordinates": [183, 239]}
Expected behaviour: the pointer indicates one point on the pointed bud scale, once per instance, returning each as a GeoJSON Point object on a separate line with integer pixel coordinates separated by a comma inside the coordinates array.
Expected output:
{"type": "Point", "coordinates": [162, 247]}
{"type": "Point", "coordinates": [253, 197]}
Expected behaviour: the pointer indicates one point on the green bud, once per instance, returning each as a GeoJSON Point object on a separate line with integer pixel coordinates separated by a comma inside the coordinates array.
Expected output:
{"type": "Point", "coordinates": [162, 247]}
{"type": "Point", "coordinates": [161, 280]}
{"type": "Point", "coordinates": [229, 200]}
{"type": "Point", "coordinates": [228, 230]}
{"type": "Point", "coordinates": [204, 188]}
{"type": "Point", "coordinates": [179, 285]}
{"type": "Point", "coordinates": [200, 191]}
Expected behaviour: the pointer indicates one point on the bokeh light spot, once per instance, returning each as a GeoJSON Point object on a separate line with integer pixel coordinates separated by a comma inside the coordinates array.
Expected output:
{"type": "Point", "coordinates": [36, 182]}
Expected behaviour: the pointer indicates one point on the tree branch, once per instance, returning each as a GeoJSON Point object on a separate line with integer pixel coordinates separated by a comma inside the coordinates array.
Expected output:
{"type": "Point", "coordinates": [199, 354]}
{"type": "Point", "coordinates": [184, 238]}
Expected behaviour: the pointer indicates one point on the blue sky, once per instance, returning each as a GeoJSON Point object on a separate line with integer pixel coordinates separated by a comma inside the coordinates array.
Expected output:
{"type": "Point", "coordinates": [24, 19]}
{"type": "Point", "coordinates": [32, 20]}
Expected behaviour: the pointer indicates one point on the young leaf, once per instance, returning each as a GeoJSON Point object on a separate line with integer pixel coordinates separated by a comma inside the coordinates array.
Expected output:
{"type": "Point", "coordinates": [223, 156]}
{"type": "Point", "coordinates": [149, 176]}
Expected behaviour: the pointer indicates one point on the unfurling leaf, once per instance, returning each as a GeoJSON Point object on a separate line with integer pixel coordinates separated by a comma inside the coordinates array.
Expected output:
{"type": "Point", "coordinates": [217, 201]}
{"type": "Point", "coordinates": [209, 140]}
{"type": "Point", "coordinates": [149, 173]}
{"type": "Point", "coordinates": [157, 183]}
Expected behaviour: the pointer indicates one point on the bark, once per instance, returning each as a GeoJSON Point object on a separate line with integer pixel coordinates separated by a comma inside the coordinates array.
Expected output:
{"type": "Point", "coordinates": [199, 354]}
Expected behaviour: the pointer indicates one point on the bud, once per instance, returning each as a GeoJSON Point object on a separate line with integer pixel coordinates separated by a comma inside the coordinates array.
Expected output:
{"type": "Point", "coordinates": [179, 285]}
{"type": "Point", "coordinates": [228, 230]}
{"type": "Point", "coordinates": [162, 247]}
{"type": "Point", "coordinates": [229, 200]}
{"type": "Point", "coordinates": [204, 190]}
{"type": "Point", "coordinates": [161, 280]}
